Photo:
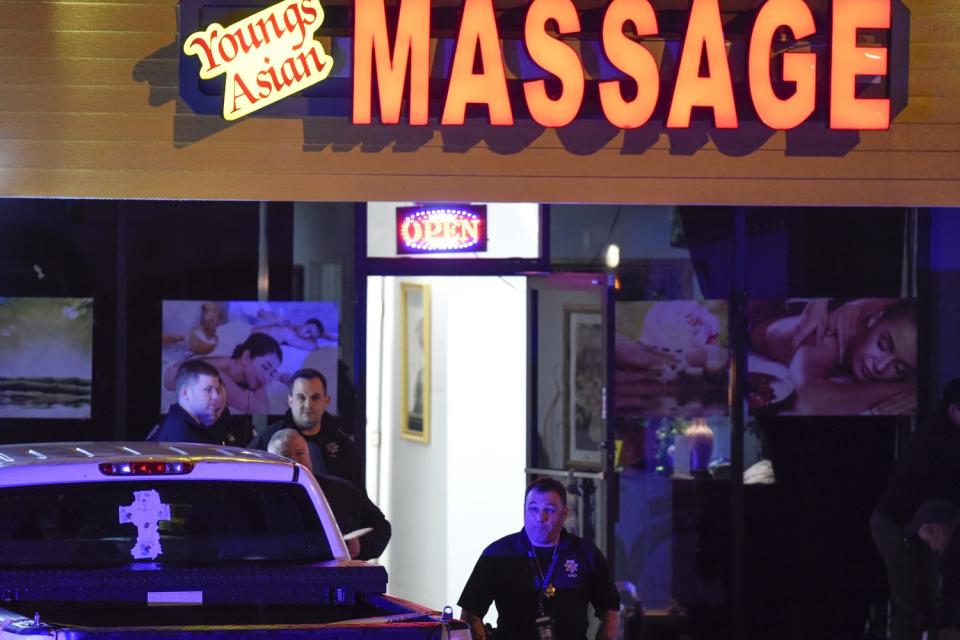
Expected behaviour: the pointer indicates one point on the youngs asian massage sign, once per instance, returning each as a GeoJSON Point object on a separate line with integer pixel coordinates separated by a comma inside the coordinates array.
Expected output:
{"type": "Point", "coordinates": [274, 53]}
{"type": "Point", "coordinates": [265, 57]}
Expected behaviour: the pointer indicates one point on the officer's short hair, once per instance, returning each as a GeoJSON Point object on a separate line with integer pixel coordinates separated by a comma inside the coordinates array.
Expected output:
{"type": "Point", "coordinates": [308, 374]}
{"type": "Point", "coordinates": [544, 485]}
{"type": "Point", "coordinates": [191, 370]}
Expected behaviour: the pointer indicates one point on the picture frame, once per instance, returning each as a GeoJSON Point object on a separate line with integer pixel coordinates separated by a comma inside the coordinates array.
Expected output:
{"type": "Point", "coordinates": [583, 375]}
{"type": "Point", "coordinates": [415, 362]}
{"type": "Point", "coordinates": [46, 358]}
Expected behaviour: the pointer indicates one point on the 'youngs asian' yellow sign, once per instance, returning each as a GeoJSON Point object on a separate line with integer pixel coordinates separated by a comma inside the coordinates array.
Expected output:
{"type": "Point", "coordinates": [266, 57]}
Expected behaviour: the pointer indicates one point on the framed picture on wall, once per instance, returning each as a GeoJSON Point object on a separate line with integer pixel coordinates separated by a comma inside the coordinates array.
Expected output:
{"type": "Point", "coordinates": [415, 362]}
{"type": "Point", "coordinates": [583, 365]}
{"type": "Point", "coordinates": [46, 357]}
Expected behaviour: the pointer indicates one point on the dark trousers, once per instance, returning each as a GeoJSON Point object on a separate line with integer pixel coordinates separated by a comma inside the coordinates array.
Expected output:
{"type": "Point", "coordinates": [911, 573]}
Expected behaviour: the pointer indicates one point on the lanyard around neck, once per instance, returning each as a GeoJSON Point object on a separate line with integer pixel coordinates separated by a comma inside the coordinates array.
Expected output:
{"type": "Point", "coordinates": [543, 585]}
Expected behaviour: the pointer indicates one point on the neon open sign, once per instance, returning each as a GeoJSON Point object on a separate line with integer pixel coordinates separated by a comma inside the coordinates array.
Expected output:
{"type": "Point", "coordinates": [441, 229]}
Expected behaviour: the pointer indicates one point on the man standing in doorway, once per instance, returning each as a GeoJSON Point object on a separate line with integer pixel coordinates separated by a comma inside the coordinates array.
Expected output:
{"type": "Point", "coordinates": [542, 578]}
{"type": "Point", "coordinates": [331, 451]}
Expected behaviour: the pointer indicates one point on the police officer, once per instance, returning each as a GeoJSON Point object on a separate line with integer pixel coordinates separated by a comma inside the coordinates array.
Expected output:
{"type": "Point", "coordinates": [541, 578]}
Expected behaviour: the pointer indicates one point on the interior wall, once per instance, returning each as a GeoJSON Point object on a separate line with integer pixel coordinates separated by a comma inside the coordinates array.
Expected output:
{"type": "Point", "coordinates": [416, 475]}
{"type": "Point", "coordinates": [486, 392]}
{"type": "Point", "coordinates": [448, 499]}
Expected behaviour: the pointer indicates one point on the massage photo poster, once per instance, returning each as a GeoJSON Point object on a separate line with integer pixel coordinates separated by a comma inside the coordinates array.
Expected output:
{"type": "Point", "coordinates": [828, 356]}
{"type": "Point", "coordinates": [671, 358]}
{"type": "Point", "coordinates": [256, 347]}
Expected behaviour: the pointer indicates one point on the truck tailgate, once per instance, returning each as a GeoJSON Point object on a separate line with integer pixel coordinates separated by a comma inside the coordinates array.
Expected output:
{"type": "Point", "coordinates": [335, 582]}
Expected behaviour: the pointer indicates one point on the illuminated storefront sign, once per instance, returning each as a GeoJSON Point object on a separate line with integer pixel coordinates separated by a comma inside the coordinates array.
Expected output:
{"type": "Point", "coordinates": [703, 46]}
{"type": "Point", "coordinates": [441, 229]}
{"type": "Point", "coordinates": [266, 57]}
{"type": "Point", "coordinates": [793, 64]}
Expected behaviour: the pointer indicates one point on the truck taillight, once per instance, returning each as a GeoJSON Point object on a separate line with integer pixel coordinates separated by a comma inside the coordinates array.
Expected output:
{"type": "Point", "coordinates": [145, 468]}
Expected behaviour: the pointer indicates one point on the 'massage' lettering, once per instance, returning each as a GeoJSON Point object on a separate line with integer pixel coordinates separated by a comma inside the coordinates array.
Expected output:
{"type": "Point", "coordinates": [478, 32]}
{"type": "Point", "coordinates": [555, 57]}
{"type": "Point", "coordinates": [714, 90]}
{"type": "Point", "coordinates": [849, 61]}
{"type": "Point", "coordinates": [633, 59]}
{"type": "Point", "coordinates": [371, 48]}
{"type": "Point", "coordinates": [477, 75]}
{"type": "Point", "coordinates": [798, 68]}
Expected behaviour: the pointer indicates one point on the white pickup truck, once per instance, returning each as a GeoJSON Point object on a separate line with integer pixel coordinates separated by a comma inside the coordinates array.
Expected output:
{"type": "Point", "coordinates": [159, 540]}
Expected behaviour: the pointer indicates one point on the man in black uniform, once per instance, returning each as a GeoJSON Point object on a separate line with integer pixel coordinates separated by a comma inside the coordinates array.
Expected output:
{"type": "Point", "coordinates": [928, 468]}
{"type": "Point", "coordinates": [192, 416]}
{"type": "Point", "coordinates": [331, 451]}
{"type": "Point", "coordinates": [935, 523]}
{"type": "Point", "coordinates": [351, 507]}
{"type": "Point", "coordinates": [542, 578]}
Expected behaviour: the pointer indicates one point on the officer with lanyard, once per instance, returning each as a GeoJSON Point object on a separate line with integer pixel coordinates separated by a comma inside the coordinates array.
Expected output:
{"type": "Point", "coordinates": [541, 578]}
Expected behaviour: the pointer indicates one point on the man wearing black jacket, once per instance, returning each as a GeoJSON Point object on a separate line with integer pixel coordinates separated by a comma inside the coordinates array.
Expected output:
{"type": "Point", "coordinates": [928, 468]}
{"type": "Point", "coordinates": [352, 508]}
{"type": "Point", "coordinates": [935, 523]}
{"type": "Point", "coordinates": [193, 416]}
{"type": "Point", "coordinates": [331, 451]}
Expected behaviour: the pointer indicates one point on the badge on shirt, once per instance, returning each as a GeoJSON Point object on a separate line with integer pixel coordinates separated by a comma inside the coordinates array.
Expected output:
{"type": "Point", "coordinates": [571, 567]}
{"type": "Point", "coordinates": [332, 449]}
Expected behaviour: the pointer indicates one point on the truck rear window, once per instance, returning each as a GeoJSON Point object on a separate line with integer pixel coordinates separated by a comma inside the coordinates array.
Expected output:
{"type": "Point", "coordinates": [114, 523]}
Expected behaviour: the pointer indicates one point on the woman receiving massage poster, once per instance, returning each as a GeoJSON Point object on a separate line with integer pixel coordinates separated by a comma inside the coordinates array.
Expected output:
{"type": "Point", "coordinates": [824, 356]}
{"type": "Point", "coordinates": [255, 346]}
